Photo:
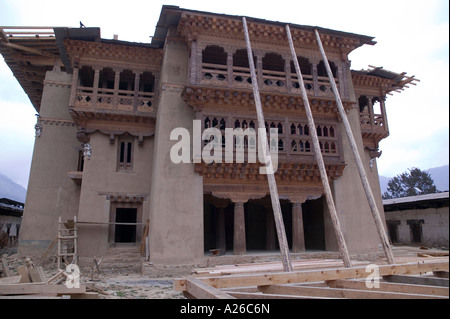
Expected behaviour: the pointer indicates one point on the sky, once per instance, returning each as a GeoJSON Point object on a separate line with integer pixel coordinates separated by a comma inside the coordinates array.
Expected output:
{"type": "Point", "coordinates": [412, 36]}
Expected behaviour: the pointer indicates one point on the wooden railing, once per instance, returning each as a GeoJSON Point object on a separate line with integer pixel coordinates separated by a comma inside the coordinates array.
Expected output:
{"type": "Point", "coordinates": [106, 100]}
{"type": "Point", "coordinates": [218, 75]}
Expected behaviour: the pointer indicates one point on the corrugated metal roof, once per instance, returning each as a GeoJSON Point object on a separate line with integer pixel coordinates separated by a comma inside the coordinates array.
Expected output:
{"type": "Point", "coordinates": [414, 199]}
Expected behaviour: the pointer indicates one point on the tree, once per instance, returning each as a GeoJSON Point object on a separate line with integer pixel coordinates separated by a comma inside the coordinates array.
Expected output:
{"type": "Point", "coordinates": [410, 183]}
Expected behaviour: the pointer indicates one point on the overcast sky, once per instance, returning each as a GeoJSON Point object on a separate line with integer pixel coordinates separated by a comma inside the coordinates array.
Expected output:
{"type": "Point", "coordinates": [412, 37]}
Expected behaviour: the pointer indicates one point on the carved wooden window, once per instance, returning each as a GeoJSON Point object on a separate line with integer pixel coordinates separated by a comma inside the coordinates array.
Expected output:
{"type": "Point", "coordinates": [125, 155]}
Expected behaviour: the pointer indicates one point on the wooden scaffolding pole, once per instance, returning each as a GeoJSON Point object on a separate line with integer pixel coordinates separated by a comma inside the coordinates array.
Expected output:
{"type": "Point", "coordinates": [281, 232]}
{"type": "Point", "coordinates": [319, 158]}
{"type": "Point", "coordinates": [362, 173]}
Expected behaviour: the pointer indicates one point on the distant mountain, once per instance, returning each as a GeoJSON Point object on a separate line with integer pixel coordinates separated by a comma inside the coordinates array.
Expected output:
{"type": "Point", "coordinates": [440, 176]}
{"type": "Point", "coordinates": [11, 190]}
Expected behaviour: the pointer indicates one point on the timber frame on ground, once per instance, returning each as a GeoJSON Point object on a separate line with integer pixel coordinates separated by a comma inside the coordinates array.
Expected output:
{"type": "Point", "coordinates": [312, 279]}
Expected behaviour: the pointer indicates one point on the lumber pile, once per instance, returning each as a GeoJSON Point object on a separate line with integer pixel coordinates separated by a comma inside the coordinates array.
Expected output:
{"type": "Point", "coordinates": [30, 282]}
{"type": "Point", "coordinates": [413, 278]}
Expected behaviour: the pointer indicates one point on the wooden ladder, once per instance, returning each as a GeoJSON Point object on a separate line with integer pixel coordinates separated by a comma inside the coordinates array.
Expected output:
{"type": "Point", "coordinates": [67, 238]}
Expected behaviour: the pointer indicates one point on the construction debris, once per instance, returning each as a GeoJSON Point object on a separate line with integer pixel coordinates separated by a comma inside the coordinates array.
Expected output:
{"type": "Point", "coordinates": [31, 280]}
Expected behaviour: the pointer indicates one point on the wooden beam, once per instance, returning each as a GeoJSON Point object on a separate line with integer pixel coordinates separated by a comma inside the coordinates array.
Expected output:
{"type": "Point", "coordinates": [315, 275]}
{"type": "Point", "coordinates": [200, 290]}
{"type": "Point", "coordinates": [27, 49]}
{"type": "Point", "coordinates": [252, 295]}
{"type": "Point", "coordinates": [276, 207]}
{"type": "Point", "coordinates": [359, 164]}
{"type": "Point", "coordinates": [442, 282]}
{"type": "Point", "coordinates": [319, 158]}
{"type": "Point", "coordinates": [390, 287]}
{"type": "Point", "coordinates": [39, 288]}
{"type": "Point", "coordinates": [339, 293]}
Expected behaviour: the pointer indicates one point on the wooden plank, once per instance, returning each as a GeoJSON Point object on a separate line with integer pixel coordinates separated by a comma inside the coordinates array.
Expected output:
{"type": "Point", "coordinates": [200, 290]}
{"type": "Point", "coordinates": [430, 281]}
{"type": "Point", "coordinates": [317, 275]}
{"type": "Point", "coordinates": [10, 280]}
{"type": "Point", "coordinates": [37, 274]}
{"type": "Point", "coordinates": [39, 288]}
{"type": "Point", "coordinates": [5, 267]}
{"type": "Point", "coordinates": [392, 287]}
{"type": "Point", "coordinates": [23, 271]}
{"type": "Point", "coordinates": [250, 295]}
{"type": "Point", "coordinates": [340, 293]}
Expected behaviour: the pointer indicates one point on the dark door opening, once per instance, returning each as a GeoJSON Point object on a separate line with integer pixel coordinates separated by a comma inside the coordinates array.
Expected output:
{"type": "Point", "coordinates": [125, 233]}
{"type": "Point", "coordinates": [313, 223]}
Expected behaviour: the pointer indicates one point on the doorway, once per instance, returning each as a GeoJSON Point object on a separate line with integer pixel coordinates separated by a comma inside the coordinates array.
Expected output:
{"type": "Point", "coordinates": [125, 233]}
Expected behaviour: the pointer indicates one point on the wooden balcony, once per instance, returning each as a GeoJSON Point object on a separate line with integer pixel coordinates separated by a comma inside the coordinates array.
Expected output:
{"type": "Point", "coordinates": [219, 75]}
{"type": "Point", "coordinates": [89, 100]}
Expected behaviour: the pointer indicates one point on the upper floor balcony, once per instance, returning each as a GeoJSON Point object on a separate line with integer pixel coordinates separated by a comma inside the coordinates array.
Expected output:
{"type": "Point", "coordinates": [215, 66]}
{"type": "Point", "coordinates": [372, 114]}
{"type": "Point", "coordinates": [111, 91]}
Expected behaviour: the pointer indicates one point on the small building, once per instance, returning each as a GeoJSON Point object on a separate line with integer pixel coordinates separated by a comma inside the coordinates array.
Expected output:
{"type": "Point", "coordinates": [11, 213]}
{"type": "Point", "coordinates": [421, 219]}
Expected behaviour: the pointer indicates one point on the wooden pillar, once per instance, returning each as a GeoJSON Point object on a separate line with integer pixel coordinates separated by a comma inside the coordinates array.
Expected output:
{"type": "Point", "coordinates": [230, 69]}
{"type": "Point", "coordinates": [287, 70]}
{"type": "Point", "coordinates": [270, 229]}
{"type": "Point", "coordinates": [221, 236]}
{"type": "Point", "coordinates": [116, 86]}
{"type": "Point", "coordinates": [315, 79]}
{"type": "Point", "coordinates": [193, 63]}
{"type": "Point", "coordinates": [73, 90]}
{"type": "Point", "coordinates": [136, 90]}
{"type": "Point", "coordinates": [95, 86]}
{"type": "Point", "coordinates": [259, 70]}
{"type": "Point", "coordinates": [298, 234]}
{"type": "Point", "coordinates": [239, 244]}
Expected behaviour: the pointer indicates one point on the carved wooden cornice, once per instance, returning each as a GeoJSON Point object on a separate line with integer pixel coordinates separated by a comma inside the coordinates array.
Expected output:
{"type": "Point", "coordinates": [248, 173]}
{"type": "Point", "coordinates": [202, 98]}
{"type": "Point", "coordinates": [193, 25]}
{"type": "Point", "coordinates": [130, 56]}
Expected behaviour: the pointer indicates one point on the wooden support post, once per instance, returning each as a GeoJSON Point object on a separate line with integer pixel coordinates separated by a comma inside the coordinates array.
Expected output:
{"type": "Point", "coordinates": [373, 206]}
{"type": "Point", "coordinates": [281, 232]}
{"type": "Point", "coordinates": [239, 244]}
{"type": "Point", "coordinates": [318, 155]}
{"type": "Point", "coordinates": [298, 234]}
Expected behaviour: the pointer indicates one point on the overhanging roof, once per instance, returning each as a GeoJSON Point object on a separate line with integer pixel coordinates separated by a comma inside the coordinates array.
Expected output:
{"type": "Point", "coordinates": [170, 15]}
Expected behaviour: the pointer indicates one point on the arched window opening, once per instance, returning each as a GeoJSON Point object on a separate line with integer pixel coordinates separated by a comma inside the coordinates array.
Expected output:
{"type": "Point", "coordinates": [126, 82]}
{"type": "Point", "coordinates": [147, 82]}
{"type": "Point", "coordinates": [106, 79]}
{"type": "Point", "coordinates": [280, 145]}
{"type": "Point", "coordinates": [293, 129]}
{"type": "Point", "coordinates": [306, 130]}
{"type": "Point", "coordinates": [222, 124]}
{"type": "Point", "coordinates": [214, 54]}
{"type": "Point", "coordinates": [307, 147]}
{"type": "Point", "coordinates": [319, 131]}
{"type": "Point", "coordinates": [280, 128]}
{"type": "Point", "coordinates": [363, 102]}
{"type": "Point", "coordinates": [322, 71]}
{"type": "Point", "coordinates": [294, 146]}
{"type": "Point", "coordinates": [86, 76]}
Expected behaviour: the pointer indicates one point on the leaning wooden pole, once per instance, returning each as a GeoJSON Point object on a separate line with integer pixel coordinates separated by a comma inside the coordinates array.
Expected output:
{"type": "Point", "coordinates": [318, 154]}
{"type": "Point", "coordinates": [281, 232]}
{"type": "Point", "coordinates": [362, 173]}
